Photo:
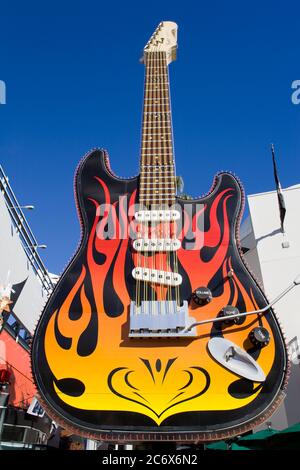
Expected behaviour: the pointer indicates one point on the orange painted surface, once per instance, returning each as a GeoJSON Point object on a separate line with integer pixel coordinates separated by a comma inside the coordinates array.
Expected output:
{"type": "Point", "coordinates": [16, 360]}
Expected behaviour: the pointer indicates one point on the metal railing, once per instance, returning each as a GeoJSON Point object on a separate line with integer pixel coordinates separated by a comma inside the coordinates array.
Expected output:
{"type": "Point", "coordinates": [27, 238]}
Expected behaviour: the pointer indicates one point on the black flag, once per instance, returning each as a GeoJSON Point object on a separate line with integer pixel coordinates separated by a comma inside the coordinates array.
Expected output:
{"type": "Point", "coordinates": [281, 203]}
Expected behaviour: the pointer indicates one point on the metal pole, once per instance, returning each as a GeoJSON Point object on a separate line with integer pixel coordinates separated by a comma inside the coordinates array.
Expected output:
{"type": "Point", "coordinates": [4, 395]}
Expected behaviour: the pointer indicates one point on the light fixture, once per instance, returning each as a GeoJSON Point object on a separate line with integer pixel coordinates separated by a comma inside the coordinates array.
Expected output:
{"type": "Point", "coordinates": [29, 207]}
{"type": "Point", "coordinates": [43, 247]}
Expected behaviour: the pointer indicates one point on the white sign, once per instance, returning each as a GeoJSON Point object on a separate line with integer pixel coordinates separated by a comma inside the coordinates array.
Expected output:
{"type": "Point", "coordinates": [35, 409]}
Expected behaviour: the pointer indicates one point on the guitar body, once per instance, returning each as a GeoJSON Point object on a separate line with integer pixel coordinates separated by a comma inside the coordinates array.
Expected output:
{"type": "Point", "coordinates": [97, 381]}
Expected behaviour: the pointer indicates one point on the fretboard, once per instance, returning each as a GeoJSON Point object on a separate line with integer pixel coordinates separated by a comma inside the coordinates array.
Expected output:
{"type": "Point", "coordinates": [157, 169]}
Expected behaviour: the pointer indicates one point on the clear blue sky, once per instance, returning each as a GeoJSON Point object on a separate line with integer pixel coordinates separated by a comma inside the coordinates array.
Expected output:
{"type": "Point", "coordinates": [74, 82]}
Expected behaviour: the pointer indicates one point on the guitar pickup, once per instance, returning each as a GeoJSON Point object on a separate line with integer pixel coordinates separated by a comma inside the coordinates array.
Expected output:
{"type": "Point", "coordinates": [157, 215]}
{"type": "Point", "coordinates": [166, 278]}
{"type": "Point", "coordinates": [156, 244]}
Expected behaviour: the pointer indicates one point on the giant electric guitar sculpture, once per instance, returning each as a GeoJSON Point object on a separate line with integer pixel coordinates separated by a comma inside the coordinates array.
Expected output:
{"type": "Point", "coordinates": [120, 351]}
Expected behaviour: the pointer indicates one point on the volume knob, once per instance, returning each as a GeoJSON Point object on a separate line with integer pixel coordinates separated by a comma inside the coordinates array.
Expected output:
{"type": "Point", "coordinates": [259, 336]}
{"type": "Point", "coordinates": [202, 295]}
{"type": "Point", "coordinates": [228, 311]}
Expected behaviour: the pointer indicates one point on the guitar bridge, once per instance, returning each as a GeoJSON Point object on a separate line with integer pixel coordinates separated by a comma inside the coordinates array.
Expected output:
{"type": "Point", "coordinates": [160, 319]}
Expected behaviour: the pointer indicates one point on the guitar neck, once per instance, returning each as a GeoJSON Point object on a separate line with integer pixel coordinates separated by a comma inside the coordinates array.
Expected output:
{"type": "Point", "coordinates": [157, 172]}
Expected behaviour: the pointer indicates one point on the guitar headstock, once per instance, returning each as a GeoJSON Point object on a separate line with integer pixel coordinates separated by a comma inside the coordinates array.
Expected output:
{"type": "Point", "coordinates": [164, 39]}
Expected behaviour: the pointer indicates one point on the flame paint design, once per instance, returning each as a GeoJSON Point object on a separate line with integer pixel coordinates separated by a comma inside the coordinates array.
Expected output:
{"type": "Point", "coordinates": [94, 364]}
{"type": "Point", "coordinates": [93, 378]}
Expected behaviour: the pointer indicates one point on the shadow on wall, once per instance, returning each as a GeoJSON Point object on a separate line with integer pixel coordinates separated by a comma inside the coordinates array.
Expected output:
{"type": "Point", "coordinates": [293, 411]}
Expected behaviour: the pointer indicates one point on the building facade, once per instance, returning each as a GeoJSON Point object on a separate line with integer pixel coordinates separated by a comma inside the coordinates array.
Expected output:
{"type": "Point", "coordinates": [24, 287]}
{"type": "Point", "coordinates": [274, 258]}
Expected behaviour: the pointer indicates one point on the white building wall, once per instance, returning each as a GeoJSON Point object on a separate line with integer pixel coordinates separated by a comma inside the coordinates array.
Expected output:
{"type": "Point", "coordinates": [16, 269]}
{"type": "Point", "coordinates": [276, 267]}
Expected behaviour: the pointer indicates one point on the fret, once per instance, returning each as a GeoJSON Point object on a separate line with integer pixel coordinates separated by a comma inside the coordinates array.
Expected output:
{"type": "Point", "coordinates": [158, 196]}
{"type": "Point", "coordinates": [154, 183]}
{"type": "Point", "coordinates": [164, 152]}
{"type": "Point", "coordinates": [147, 144]}
{"type": "Point", "coordinates": [157, 112]}
{"type": "Point", "coordinates": [159, 106]}
{"type": "Point", "coordinates": [157, 154]}
{"type": "Point", "coordinates": [157, 169]}
{"type": "Point", "coordinates": [156, 74]}
{"type": "Point", "coordinates": [167, 129]}
{"type": "Point", "coordinates": [162, 140]}
{"type": "Point", "coordinates": [150, 181]}
{"type": "Point", "coordinates": [156, 99]}
{"type": "Point", "coordinates": [162, 130]}
{"type": "Point", "coordinates": [149, 74]}
{"type": "Point", "coordinates": [157, 79]}
{"type": "Point", "coordinates": [149, 170]}
{"type": "Point", "coordinates": [158, 188]}
{"type": "Point", "coordinates": [157, 133]}
{"type": "Point", "coordinates": [158, 177]}
{"type": "Point", "coordinates": [157, 148]}
{"type": "Point", "coordinates": [155, 140]}
{"type": "Point", "coordinates": [156, 166]}
{"type": "Point", "coordinates": [156, 191]}
{"type": "Point", "coordinates": [147, 192]}
{"type": "Point", "coordinates": [162, 86]}
{"type": "Point", "coordinates": [156, 115]}
{"type": "Point", "coordinates": [146, 127]}
{"type": "Point", "coordinates": [157, 200]}
{"type": "Point", "coordinates": [168, 156]}
{"type": "Point", "coordinates": [167, 121]}
{"type": "Point", "coordinates": [158, 67]}
{"type": "Point", "coordinates": [154, 175]}
{"type": "Point", "coordinates": [144, 197]}
{"type": "Point", "coordinates": [160, 109]}
{"type": "Point", "coordinates": [156, 87]}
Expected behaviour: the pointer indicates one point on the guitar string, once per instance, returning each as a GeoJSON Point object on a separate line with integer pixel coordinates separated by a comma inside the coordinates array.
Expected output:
{"type": "Point", "coordinates": [147, 191]}
{"type": "Point", "coordinates": [161, 185]}
{"type": "Point", "coordinates": [152, 223]}
{"type": "Point", "coordinates": [151, 63]}
{"type": "Point", "coordinates": [165, 224]}
{"type": "Point", "coordinates": [166, 151]}
{"type": "Point", "coordinates": [160, 287]}
{"type": "Point", "coordinates": [175, 255]}
{"type": "Point", "coordinates": [140, 227]}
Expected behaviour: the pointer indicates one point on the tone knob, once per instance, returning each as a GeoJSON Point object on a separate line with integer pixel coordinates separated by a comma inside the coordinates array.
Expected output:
{"type": "Point", "coordinates": [202, 295]}
{"type": "Point", "coordinates": [228, 311]}
{"type": "Point", "coordinates": [259, 336]}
